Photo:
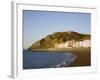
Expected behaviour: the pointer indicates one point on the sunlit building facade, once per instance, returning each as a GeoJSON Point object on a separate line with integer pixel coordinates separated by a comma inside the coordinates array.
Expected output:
{"type": "Point", "coordinates": [74, 44]}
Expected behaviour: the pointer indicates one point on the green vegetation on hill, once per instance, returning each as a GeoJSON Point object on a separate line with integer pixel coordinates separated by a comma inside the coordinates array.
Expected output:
{"type": "Point", "coordinates": [58, 37]}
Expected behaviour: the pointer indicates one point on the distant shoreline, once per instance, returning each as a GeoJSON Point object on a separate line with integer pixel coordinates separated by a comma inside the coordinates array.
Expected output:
{"type": "Point", "coordinates": [56, 49]}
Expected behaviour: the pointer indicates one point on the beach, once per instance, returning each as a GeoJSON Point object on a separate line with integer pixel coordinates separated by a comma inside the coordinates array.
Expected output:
{"type": "Point", "coordinates": [83, 55]}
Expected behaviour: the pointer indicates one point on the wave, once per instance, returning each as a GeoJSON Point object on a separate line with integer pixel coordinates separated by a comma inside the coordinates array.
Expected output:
{"type": "Point", "coordinates": [67, 62]}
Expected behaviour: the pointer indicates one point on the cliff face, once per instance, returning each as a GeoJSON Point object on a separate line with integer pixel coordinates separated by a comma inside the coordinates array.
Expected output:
{"type": "Point", "coordinates": [58, 37]}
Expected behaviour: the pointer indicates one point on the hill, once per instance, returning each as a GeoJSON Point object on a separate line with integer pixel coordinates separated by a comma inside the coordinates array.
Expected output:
{"type": "Point", "coordinates": [58, 37]}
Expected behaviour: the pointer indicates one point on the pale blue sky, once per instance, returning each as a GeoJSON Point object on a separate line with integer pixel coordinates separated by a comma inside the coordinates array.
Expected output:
{"type": "Point", "coordinates": [38, 24]}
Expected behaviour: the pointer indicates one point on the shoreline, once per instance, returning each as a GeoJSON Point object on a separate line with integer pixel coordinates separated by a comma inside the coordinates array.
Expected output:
{"type": "Point", "coordinates": [57, 50]}
{"type": "Point", "coordinates": [83, 55]}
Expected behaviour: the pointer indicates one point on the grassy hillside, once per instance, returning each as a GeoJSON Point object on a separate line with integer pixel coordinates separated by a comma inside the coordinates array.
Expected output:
{"type": "Point", "coordinates": [58, 37]}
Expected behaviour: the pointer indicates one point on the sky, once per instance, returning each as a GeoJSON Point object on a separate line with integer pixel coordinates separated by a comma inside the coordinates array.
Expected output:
{"type": "Point", "coordinates": [38, 24]}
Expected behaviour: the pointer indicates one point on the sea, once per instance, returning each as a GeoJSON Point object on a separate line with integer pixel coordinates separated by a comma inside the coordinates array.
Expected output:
{"type": "Point", "coordinates": [47, 59]}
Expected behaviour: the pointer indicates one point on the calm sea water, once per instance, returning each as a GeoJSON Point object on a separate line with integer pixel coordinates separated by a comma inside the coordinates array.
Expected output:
{"type": "Point", "coordinates": [35, 60]}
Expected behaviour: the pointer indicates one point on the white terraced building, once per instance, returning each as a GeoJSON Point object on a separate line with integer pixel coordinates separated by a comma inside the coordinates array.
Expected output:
{"type": "Point", "coordinates": [74, 44]}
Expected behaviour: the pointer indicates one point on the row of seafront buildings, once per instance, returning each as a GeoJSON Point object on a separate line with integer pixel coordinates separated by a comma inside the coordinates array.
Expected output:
{"type": "Point", "coordinates": [74, 44]}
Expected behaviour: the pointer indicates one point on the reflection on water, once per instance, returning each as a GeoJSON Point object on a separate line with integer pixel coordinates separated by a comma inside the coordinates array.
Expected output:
{"type": "Point", "coordinates": [35, 60]}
